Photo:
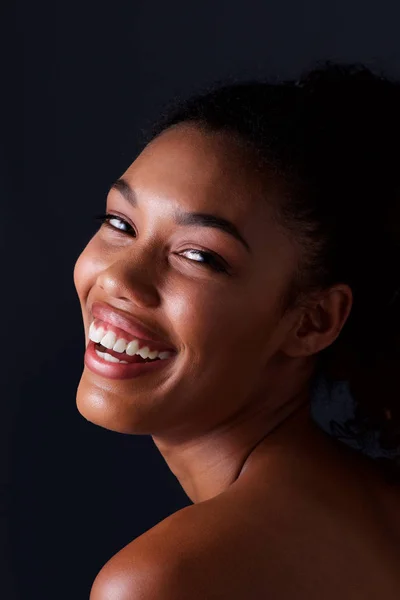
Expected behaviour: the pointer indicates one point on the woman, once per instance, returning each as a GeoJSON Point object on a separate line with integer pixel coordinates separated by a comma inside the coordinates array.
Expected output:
{"type": "Point", "coordinates": [249, 253]}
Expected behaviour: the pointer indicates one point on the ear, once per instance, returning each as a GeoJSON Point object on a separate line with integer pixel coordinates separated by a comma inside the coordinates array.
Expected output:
{"type": "Point", "coordinates": [320, 320]}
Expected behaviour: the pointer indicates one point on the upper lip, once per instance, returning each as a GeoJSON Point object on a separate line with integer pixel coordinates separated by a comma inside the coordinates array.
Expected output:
{"type": "Point", "coordinates": [130, 324]}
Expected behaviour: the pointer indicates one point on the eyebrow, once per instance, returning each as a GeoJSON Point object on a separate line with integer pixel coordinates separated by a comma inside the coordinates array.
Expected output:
{"type": "Point", "coordinates": [186, 218]}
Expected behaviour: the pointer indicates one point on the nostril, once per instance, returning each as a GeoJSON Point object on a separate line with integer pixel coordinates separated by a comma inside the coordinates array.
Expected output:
{"type": "Point", "coordinates": [131, 282]}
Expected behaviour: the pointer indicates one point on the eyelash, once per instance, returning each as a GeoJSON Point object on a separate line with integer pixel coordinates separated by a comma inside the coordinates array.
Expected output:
{"type": "Point", "coordinates": [211, 262]}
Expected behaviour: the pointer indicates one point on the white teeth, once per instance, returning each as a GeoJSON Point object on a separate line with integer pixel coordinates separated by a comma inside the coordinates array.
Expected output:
{"type": "Point", "coordinates": [144, 352]}
{"type": "Point", "coordinates": [109, 357]}
{"type": "Point", "coordinates": [132, 347]}
{"type": "Point", "coordinates": [96, 334]}
{"type": "Point", "coordinates": [108, 340]}
{"type": "Point", "coordinates": [120, 345]}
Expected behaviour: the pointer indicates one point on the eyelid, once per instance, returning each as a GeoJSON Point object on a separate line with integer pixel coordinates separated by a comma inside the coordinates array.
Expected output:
{"type": "Point", "coordinates": [106, 217]}
{"type": "Point", "coordinates": [224, 266]}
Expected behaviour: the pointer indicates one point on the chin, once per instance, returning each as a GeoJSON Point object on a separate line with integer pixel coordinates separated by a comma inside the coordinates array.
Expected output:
{"type": "Point", "coordinates": [102, 407]}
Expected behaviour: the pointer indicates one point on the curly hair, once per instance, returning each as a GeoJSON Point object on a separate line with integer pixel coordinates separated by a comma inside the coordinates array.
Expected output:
{"type": "Point", "coordinates": [331, 138]}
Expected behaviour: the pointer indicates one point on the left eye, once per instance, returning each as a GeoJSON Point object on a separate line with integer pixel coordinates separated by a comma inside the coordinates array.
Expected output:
{"type": "Point", "coordinates": [207, 259]}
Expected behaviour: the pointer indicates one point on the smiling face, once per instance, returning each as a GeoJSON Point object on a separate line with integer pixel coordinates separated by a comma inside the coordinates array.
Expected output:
{"type": "Point", "coordinates": [212, 290]}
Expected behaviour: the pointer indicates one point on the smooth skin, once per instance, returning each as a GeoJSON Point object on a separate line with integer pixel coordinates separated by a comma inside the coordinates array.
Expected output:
{"type": "Point", "coordinates": [280, 509]}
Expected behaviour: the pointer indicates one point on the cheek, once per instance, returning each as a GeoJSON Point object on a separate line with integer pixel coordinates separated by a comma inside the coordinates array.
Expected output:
{"type": "Point", "coordinates": [216, 321]}
{"type": "Point", "coordinates": [228, 337]}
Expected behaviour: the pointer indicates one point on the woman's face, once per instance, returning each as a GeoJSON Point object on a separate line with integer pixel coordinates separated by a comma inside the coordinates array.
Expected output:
{"type": "Point", "coordinates": [220, 312]}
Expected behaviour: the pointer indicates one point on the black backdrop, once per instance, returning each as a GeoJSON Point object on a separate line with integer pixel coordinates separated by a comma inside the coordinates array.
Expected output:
{"type": "Point", "coordinates": [78, 81]}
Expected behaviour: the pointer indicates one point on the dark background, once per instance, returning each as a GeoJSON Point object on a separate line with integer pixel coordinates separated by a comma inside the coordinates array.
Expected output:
{"type": "Point", "coordinates": [78, 82]}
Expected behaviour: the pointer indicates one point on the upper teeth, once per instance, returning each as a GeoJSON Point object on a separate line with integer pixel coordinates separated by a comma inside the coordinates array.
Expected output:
{"type": "Point", "coordinates": [109, 340]}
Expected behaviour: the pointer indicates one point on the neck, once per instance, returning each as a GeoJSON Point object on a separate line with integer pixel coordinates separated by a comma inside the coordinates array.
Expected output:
{"type": "Point", "coordinates": [207, 465]}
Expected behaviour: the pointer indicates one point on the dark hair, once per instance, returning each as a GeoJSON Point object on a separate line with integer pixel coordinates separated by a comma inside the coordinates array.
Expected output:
{"type": "Point", "coordinates": [332, 140]}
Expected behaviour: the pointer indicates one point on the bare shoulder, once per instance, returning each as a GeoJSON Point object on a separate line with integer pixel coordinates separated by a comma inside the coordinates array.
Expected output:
{"type": "Point", "coordinates": [314, 535]}
{"type": "Point", "coordinates": [190, 554]}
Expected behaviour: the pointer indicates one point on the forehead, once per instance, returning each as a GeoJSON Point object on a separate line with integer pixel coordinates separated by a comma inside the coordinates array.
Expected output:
{"type": "Point", "coordinates": [204, 171]}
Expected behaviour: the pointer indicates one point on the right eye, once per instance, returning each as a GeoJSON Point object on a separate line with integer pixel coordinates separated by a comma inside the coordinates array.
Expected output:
{"type": "Point", "coordinates": [108, 218]}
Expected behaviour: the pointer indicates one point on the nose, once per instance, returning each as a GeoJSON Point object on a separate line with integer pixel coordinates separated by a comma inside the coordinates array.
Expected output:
{"type": "Point", "coordinates": [131, 281]}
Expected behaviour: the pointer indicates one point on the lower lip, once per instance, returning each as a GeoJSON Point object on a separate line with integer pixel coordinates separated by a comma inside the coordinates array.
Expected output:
{"type": "Point", "coordinates": [119, 370]}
